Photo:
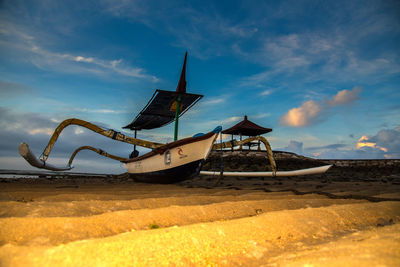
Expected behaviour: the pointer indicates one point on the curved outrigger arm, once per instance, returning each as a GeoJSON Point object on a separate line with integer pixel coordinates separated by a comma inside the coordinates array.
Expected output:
{"type": "Point", "coordinates": [98, 151]}
{"type": "Point", "coordinates": [27, 154]}
{"type": "Point", "coordinates": [234, 143]}
{"type": "Point", "coordinates": [107, 133]}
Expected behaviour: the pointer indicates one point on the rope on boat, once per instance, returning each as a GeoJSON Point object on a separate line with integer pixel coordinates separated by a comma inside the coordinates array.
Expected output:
{"type": "Point", "coordinates": [233, 143]}
{"type": "Point", "coordinates": [107, 133]}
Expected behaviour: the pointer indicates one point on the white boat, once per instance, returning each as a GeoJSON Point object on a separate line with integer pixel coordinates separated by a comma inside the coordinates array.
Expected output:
{"type": "Point", "coordinates": [166, 163]}
{"type": "Point", "coordinates": [173, 162]}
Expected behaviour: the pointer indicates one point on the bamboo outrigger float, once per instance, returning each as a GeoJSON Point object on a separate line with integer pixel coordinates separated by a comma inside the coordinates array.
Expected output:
{"type": "Point", "coordinates": [166, 163]}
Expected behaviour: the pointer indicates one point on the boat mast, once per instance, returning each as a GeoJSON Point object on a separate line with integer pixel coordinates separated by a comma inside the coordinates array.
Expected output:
{"type": "Point", "coordinates": [180, 89]}
{"type": "Point", "coordinates": [178, 106]}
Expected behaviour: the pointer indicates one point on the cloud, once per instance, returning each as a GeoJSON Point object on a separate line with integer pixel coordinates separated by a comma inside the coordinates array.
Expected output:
{"type": "Point", "coordinates": [67, 62]}
{"type": "Point", "coordinates": [294, 146]}
{"type": "Point", "coordinates": [11, 90]}
{"type": "Point", "coordinates": [260, 116]}
{"type": "Point", "coordinates": [101, 111]}
{"type": "Point", "coordinates": [214, 101]}
{"type": "Point", "coordinates": [331, 146]}
{"type": "Point", "coordinates": [88, 64]}
{"type": "Point", "coordinates": [83, 59]}
{"type": "Point", "coordinates": [266, 92]}
{"type": "Point", "coordinates": [232, 119]}
{"type": "Point", "coordinates": [311, 111]}
{"type": "Point", "coordinates": [386, 141]}
{"type": "Point", "coordinates": [257, 80]}
{"type": "Point", "coordinates": [345, 97]}
{"type": "Point", "coordinates": [204, 31]}
{"type": "Point", "coordinates": [288, 52]}
{"type": "Point", "coordinates": [46, 131]}
{"type": "Point", "coordinates": [341, 50]}
{"type": "Point", "coordinates": [302, 116]}
{"type": "Point", "coordinates": [384, 145]}
{"type": "Point", "coordinates": [13, 121]}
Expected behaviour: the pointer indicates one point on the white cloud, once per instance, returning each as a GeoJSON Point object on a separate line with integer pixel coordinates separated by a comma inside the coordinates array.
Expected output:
{"type": "Point", "coordinates": [258, 79]}
{"type": "Point", "coordinates": [109, 111]}
{"type": "Point", "coordinates": [78, 130]}
{"type": "Point", "coordinates": [67, 62]}
{"type": "Point", "coordinates": [84, 59]}
{"type": "Point", "coordinates": [214, 101]}
{"type": "Point", "coordinates": [261, 115]}
{"type": "Point", "coordinates": [205, 33]}
{"type": "Point", "coordinates": [345, 97]}
{"type": "Point", "coordinates": [91, 65]}
{"type": "Point", "coordinates": [12, 90]}
{"type": "Point", "coordinates": [384, 145]}
{"type": "Point", "coordinates": [46, 131]}
{"type": "Point", "coordinates": [294, 146]}
{"type": "Point", "coordinates": [310, 111]}
{"type": "Point", "coordinates": [266, 92]}
{"type": "Point", "coordinates": [105, 111]}
{"type": "Point", "coordinates": [329, 55]}
{"type": "Point", "coordinates": [293, 50]}
{"type": "Point", "coordinates": [387, 140]}
{"type": "Point", "coordinates": [232, 119]}
{"type": "Point", "coordinates": [302, 116]}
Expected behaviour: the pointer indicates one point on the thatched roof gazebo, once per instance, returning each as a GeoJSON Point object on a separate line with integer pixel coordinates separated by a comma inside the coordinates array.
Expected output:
{"type": "Point", "coordinates": [247, 128]}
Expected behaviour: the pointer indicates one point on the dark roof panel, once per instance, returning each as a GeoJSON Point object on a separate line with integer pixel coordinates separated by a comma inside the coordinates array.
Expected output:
{"type": "Point", "coordinates": [248, 128]}
{"type": "Point", "coordinates": [159, 112]}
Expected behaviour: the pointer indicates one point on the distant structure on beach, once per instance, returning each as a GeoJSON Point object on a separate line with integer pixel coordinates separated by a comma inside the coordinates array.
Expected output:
{"type": "Point", "coordinates": [247, 128]}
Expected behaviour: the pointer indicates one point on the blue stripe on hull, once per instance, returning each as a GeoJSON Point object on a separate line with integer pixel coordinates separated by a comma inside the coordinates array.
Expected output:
{"type": "Point", "coordinates": [170, 176]}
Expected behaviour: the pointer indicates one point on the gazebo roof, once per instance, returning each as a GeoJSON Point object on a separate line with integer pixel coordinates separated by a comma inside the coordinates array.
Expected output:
{"type": "Point", "coordinates": [247, 128]}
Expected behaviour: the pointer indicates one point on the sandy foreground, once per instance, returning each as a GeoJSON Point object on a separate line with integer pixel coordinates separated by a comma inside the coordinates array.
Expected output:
{"type": "Point", "coordinates": [250, 222]}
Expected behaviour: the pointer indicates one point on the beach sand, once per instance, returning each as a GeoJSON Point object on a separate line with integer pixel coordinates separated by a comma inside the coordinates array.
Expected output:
{"type": "Point", "coordinates": [251, 222]}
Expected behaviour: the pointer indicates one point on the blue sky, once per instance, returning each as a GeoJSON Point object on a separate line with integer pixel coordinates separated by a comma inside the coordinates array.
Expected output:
{"type": "Point", "coordinates": [324, 75]}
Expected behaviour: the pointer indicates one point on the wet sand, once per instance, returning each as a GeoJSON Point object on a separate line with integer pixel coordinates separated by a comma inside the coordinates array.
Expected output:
{"type": "Point", "coordinates": [251, 222]}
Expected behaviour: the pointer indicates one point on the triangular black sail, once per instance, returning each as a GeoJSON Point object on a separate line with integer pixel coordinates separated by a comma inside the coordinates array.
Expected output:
{"type": "Point", "coordinates": [181, 88]}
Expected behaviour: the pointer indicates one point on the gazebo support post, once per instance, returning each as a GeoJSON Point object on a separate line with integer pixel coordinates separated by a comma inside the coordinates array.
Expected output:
{"type": "Point", "coordinates": [246, 128]}
{"type": "Point", "coordinates": [241, 147]}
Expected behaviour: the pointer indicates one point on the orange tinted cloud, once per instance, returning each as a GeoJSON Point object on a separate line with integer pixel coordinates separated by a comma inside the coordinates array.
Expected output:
{"type": "Point", "coordinates": [303, 115]}
{"type": "Point", "coordinates": [47, 131]}
{"type": "Point", "coordinates": [364, 142]}
{"type": "Point", "coordinates": [311, 110]}
{"type": "Point", "coordinates": [344, 97]}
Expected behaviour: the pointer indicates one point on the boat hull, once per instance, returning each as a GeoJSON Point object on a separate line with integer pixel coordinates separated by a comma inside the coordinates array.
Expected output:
{"type": "Point", "coordinates": [172, 175]}
{"type": "Point", "coordinates": [173, 162]}
{"type": "Point", "coordinates": [315, 170]}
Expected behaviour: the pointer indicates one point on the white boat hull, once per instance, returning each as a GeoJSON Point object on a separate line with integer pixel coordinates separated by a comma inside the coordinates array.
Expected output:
{"type": "Point", "coordinates": [315, 170]}
{"type": "Point", "coordinates": [173, 162]}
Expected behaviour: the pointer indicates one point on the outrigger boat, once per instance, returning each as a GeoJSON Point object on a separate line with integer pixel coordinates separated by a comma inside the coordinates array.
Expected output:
{"type": "Point", "coordinates": [166, 163]}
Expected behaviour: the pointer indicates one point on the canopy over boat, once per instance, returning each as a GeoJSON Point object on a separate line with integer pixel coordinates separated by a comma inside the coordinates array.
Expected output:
{"type": "Point", "coordinates": [161, 109]}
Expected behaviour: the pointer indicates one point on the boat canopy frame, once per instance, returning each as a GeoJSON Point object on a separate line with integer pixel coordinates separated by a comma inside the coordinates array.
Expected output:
{"type": "Point", "coordinates": [161, 109]}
